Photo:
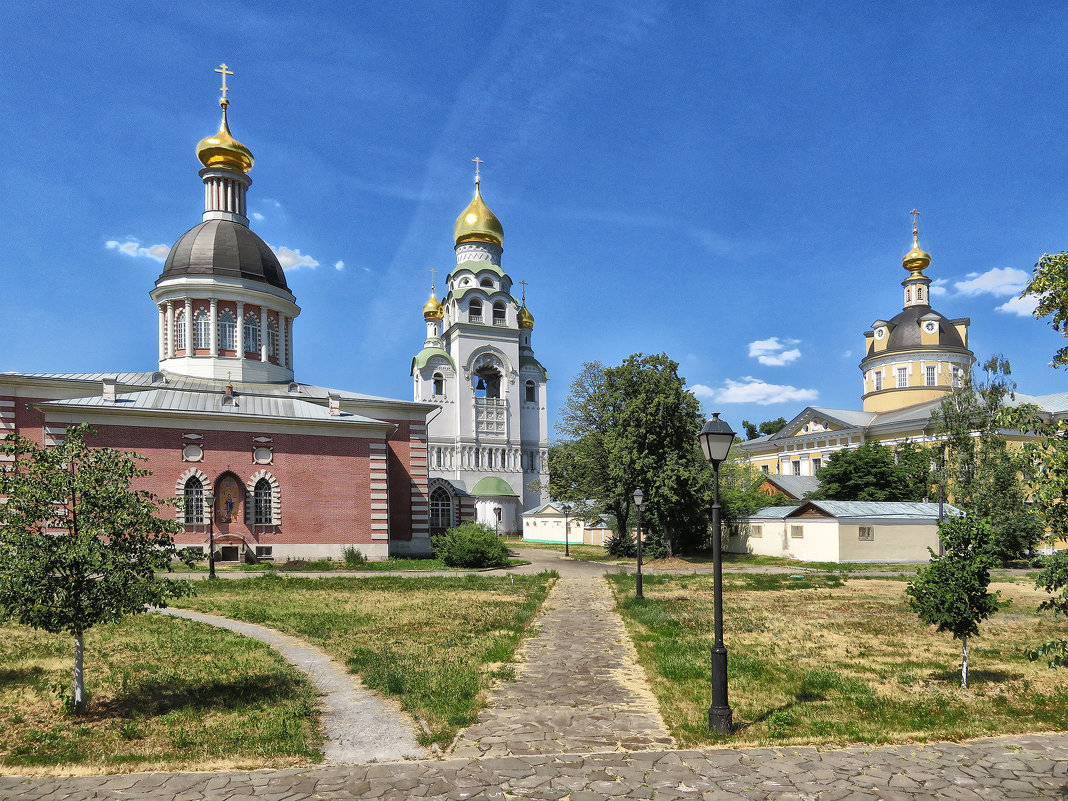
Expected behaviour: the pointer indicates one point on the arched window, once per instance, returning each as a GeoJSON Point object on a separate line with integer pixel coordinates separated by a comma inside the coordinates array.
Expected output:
{"type": "Point", "coordinates": [919, 293]}
{"type": "Point", "coordinates": [193, 502]}
{"type": "Point", "coordinates": [227, 330]}
{"type": "Point", "coordinates": [486, 282]}
{"type": "Point", "coordinates": [439, 384]}
{"type": "Point", "coordinates": [908, 295]}
{"type": "Point", "coordinates": [474, 311]}
{"type": "Point", "coordinates": [252, 333]}
{"type": "Point", "coordinates": [272, 337]}
{"type": "Point", "coordinates": [201, 330]}
{"type": "Point", "coordinates": [532, 392]}
{"type": "Point", "coordinates": [261, 515]}
{"type": "Point", "coordinates": [179, 330]}
{"type": "Point", "coordinates": [498, 313]}
{"type": "Point", "coordinates": [440, 508]}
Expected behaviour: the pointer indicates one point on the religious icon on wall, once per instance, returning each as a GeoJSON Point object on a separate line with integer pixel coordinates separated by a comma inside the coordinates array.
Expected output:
{"type": "Point", "coordinates": [228, 499]}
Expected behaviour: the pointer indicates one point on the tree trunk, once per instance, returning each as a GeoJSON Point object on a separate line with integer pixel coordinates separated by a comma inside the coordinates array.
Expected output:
{"type": "Point", "coordinates": [669, 535]}
{"type": "Point", "coordinates": [964, 665]}
{"type": "Point", "coordinates": [79, 675]}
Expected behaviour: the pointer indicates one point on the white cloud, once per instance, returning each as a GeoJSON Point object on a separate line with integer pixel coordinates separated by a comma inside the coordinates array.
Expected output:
{"type": "Point", "coordinates": [1000, 281]}
{"type": "Point", "coordinates": [293, 259]}
{"type": "Point", "coordinates": [133, 248]}
{"type": "Point", "coordinates": [753, 390]}
{"type": "Point", "coordinates": [1022, 307]}
{"type": "Point", "coordinates": [339, 265]}
{"type": "Point", "coordinates": [938, 287]}
{"type": "Point", "coordinates": [774, 353]}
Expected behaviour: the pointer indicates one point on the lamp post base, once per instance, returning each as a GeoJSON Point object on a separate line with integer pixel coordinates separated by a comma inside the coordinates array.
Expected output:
{"type": "Point", "coordinates": [720, 719]}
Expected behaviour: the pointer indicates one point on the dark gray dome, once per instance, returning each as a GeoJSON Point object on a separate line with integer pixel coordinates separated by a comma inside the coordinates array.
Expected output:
{"type": "Point", "coordinates": [223, 248]}
{"type": "Point", "coordinates": [905, 333]}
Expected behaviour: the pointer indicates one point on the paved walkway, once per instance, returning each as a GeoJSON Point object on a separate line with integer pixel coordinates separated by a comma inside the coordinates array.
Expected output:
{"type": "Point", "coordinates": [358, 726]}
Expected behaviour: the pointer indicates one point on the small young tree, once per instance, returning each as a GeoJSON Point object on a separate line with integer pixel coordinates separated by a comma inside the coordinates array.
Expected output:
{"type": "Point", "coordinates": [1054, 578]}
{"type": "Point", "coordinates": [78, 546]}
{"type": "Point", "coordinates": [952, 592]}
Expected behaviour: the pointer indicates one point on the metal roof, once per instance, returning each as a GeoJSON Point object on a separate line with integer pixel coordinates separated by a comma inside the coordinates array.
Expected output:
{"type": "Point", "coordinates": [898, 510]}
{"type": "Point", "coordinates": [797, 486]}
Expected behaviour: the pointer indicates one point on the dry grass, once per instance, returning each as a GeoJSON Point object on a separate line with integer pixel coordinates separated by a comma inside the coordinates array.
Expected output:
{"type": "Point", "coordinates": [164, 694]}
{"type": "Point", "coordinates": [819, 659]}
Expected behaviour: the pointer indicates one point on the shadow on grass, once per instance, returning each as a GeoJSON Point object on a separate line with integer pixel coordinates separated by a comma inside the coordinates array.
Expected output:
{"type": "Point", "coordinates": [976, 676]}
{"type": "Point", "coordinates": [764, 716]}
{"type": "Point", "coordinates": [25, 675]}
{"type": "Point", "coordinates": [153, 698]}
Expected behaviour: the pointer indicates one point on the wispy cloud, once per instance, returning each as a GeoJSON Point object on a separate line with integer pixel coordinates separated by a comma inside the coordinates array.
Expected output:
{"type": "Point", "coordinates": [293, 259]}
{"type": "Point", "coordinates": [999, 281]}
{"type": "Point", "coordinates": [133, 248]}
{"type": "Point", "coordinates": [1021, 307]}
{"type": "Point", "coordinates": [754, 390]}
{"type": "Point", "coordinates": [938, 287]}
{"type": "Point", "coordinates": [774, 352]}
{"type": "Point", "coordinates": [257, 216]}
{"type": "Point", "coordinates": [339, 265]}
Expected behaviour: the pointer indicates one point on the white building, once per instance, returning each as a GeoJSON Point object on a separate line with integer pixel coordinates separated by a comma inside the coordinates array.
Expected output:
{"type": "Point", "coordinates": [488, 439]}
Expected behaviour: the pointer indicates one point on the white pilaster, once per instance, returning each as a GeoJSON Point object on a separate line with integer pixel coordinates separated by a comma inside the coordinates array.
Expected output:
{"type": "Point", "coordinates": [170, 329]}
{"type": "Point", "coordinates": [281, 339]}
{"type": "Point", "coordinates": [213, 317]}
{"type": "Point", "coordinates": [240, 333]}
{"type": "Point", "coordinates": [189, 349]}
{"type": "Point", "coordinates": [263, 333]}
{"type": "Point", "coordinates": [162, 332]}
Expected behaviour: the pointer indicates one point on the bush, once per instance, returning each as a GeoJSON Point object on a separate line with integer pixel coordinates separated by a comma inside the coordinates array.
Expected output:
{"type": "Point", "coordinates": [353, 557]}
{"type": "Point", "coordinates": [471, 545]}
{"type": "Point", "coordinates": [621, 546]}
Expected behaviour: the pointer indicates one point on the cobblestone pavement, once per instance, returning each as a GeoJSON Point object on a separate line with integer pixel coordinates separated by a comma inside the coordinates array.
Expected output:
{"type": "Point", "coordinates": [578, 689]}
{"type": "Point", "coordinates": [1030, 766]}
{"type": "Point", "coordinates": [358, 726]}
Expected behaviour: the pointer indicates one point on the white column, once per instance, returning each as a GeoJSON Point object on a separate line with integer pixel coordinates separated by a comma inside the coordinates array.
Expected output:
{"type": "Point", "coordinates": [263, 333]}
{"type": "Point", "coordinates": [281, 339]}
{"type": "Point", "coordinates": [189, 349]}
{"type": "Point", "coordinates": [240, 329]}
{"type": "Point", "coordinates": [170, 329]}
{"type": "Point", "coordinates": [213, 316]}
{"type": "Point", "coordinates": [289, 339]}
{"type": "Point", "coordinates": [162, 332]}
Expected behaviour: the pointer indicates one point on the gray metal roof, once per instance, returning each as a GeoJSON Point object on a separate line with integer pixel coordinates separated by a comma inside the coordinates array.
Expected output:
{"type": "Point", "coordinates": [772, 512]}
{"type": "Point", "coordinates": [899, 510]}
{"type": "Point", "coordinates": [223, 247]}
{"type": "Point", "coordinates": [797, 486]}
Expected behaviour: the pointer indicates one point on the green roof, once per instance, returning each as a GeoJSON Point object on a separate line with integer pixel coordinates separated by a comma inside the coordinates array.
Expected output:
{"type": "Point", "coordinates": [424, 356]}
{"type": "Point", "coordinates": [527, 358]}
{"type": "Point", "coordinates": [479, 267]}
{"type": "Point", "coordinates": [493, 486]}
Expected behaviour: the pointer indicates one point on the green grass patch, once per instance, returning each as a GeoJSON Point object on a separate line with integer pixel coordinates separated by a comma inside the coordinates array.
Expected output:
{"type": "Point", "coordinates": [434, 642]}
{"type": "Point", "coordinates": [823, 658]}
{"type": "Point", "coordinates": [400, 564]}
{"type": "Point", "coordinates": [163, 693]}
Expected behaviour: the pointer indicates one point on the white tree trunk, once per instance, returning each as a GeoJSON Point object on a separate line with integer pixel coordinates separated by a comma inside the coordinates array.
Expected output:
{"type": "Point", "coordinates": [964, 665]}
{"type": "Point", "coordinates": [79, 674]}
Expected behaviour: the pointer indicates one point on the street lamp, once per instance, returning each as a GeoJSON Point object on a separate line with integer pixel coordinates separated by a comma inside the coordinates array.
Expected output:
{"type": "Point", "coordinates": [209, 502]}
{"type": "Point", "coordinates": [567, 508]}
{"type": "Point", "coordinates": [639, 496]}
{"type": "Point", "coordinates": [716, 437]}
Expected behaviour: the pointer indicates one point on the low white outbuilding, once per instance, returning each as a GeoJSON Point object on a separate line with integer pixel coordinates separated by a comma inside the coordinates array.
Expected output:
{"type": "Point", "coordinates": [842, 531]}
{"type": "Point", "coordinates": [545, 523]}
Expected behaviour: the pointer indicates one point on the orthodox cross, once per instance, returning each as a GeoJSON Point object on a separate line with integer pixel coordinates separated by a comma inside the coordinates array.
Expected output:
{"type": "Point", "coordinates": [915, 222]}
{"type": "Point", "coordinates": [222, 70]}
{"type": "Point", "coordinates": [524, 283]}
{"type": "Point", "coordinates": [477, 162]}
{"type": "Point", "coordinates": [432, 272]}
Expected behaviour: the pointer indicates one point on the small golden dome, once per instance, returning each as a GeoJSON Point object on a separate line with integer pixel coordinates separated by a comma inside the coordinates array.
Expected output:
{"type": "Point", "coordinates": [432, 309]}
{"type": "Point", "coordinates": [222, 150]}
{"type": "Point", "coordinates": [478, 223]}
{"type": "Point", "coordinates": [916, 260]}
{"type": "Point", "coordinates": [526, 319]}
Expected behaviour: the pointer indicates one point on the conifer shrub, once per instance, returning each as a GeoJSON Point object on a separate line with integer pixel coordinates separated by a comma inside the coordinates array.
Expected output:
{"type": "Point", "coordinates": [471, 545]}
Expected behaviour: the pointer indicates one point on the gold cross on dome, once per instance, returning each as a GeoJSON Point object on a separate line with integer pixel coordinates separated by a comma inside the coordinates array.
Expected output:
{"type": "Point", "coordinates": [477, 162]}
{"type": "Point", "coordinates": [433, 273]}
{"type": "Point", "coordinates": [915, 222]}
{"type": "Point", "coordinates": [222, 70]}
{"type": "Point", "coordinates": [524, 283]}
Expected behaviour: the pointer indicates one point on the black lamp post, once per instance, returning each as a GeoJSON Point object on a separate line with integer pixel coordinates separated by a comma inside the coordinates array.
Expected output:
{"type": "Point", "coordinates": [209, 502]}
{"type": "Point", "coordinates": [639, 496]}
{"type": "Point", "coordinates": [716, 437]}
{"type": "Point", "coordinates": [567, 548]}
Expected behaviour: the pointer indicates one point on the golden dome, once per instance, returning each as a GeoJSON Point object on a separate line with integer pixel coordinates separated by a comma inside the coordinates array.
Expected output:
{"type": "Point", "coordinates": [526, 319]}
{"type": "Point", "coordinates": [222, 150]}
{"type": "Point", "coordinates": [916, 260]}
{"type": "Point", "coordinates": [478, 223]}
{"type": "Point", "coordinates": [432, 309]}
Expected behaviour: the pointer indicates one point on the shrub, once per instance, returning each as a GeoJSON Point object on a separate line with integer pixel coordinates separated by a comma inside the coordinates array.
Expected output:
{"type": "Point", "coordinates": [471, 545]}
{"type": "Point", "coordinates": [621, 546]}
{"type": "Point", "coordinates": [353, 557]}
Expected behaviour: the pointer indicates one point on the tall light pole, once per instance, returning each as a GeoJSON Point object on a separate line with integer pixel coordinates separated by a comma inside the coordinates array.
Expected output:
{"type": "Point", "coordinates": [639, 496]}
{"type": "Point", "coordinates": [716, 438]}
{"type": "Point", "coordinates": [567, 548]}
{"type": "Point", "coordinates": [209, 502]}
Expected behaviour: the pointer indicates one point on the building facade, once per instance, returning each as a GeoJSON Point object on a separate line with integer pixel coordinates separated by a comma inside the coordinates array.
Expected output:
{"type": "Point", "coordinates": [487, 435]}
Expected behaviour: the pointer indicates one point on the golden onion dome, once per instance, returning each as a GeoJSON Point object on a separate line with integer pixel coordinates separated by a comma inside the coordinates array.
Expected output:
{"type": "Point", "coordinates": [478, 223]}
{"type": "Point", "coordinates": [526, 319]}
{"type": "Point", "coordinates": [222, 150]}
{"type": "Point", "coordinates": [916, 260]}
{"type": "Point", "coordinates": [432, 309]}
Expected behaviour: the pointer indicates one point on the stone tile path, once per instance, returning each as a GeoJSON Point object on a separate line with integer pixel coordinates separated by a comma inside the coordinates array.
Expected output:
{"type": "Point", "coordinates": [579, 689]}
{"type": "Point", "coordinates": [358, 726]}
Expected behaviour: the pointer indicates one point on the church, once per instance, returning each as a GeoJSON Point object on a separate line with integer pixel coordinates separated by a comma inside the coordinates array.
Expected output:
{"type": "Point", "coordinates": [487, 435]}
{"type": "Point", "coordinates": [269, 467]}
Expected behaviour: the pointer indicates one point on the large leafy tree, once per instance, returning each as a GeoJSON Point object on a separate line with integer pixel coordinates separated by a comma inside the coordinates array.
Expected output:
{"type": "Point", "coordinates": [78, 545]}
{"type": "Point", "coordinates": [1047, 485]}
{"type": "Point", "coordinates": [630, 426]}
{"type": "Point", "coordinates": [1054, 579]}
{"type": "Point", "coordinates": [979, 471]}
{"type": "Point", "coordinates": [752, 430]}
{"type": "Point", "coordinates": [953, 591]}
{"type": "Point", "coordinates": [873, 472]}
{"type": "Point", "coordinates": [1049, 286]}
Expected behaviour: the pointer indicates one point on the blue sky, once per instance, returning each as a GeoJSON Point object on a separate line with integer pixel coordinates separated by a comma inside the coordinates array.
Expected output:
{"type": "Point", "coordinates": [728, 183]}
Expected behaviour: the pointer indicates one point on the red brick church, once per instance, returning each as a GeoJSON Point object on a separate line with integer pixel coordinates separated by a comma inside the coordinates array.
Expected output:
{"type": "Point", "coordinates": [295, 470]}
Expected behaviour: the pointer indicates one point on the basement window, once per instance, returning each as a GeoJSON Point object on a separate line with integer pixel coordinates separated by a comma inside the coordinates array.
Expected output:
{"type": "Point", "coordinates": [797, 532]}
{"type": "Point", "coordinates": [867, 534]}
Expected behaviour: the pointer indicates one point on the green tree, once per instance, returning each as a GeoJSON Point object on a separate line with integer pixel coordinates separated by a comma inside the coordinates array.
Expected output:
{"type": "Point", "coordinates": [953, 591]}
{"type": "Point", "coordinates": [981, 474]}
{"type": "Point", "coordinates": [635, 425]}
{"type": "Point", "coordinates": [78, 546]}
{"type": "Point", "coordinates": [1049, 286]}
{"type": "Point", "coordinates": [872, 472]}
{"type": "Point", "coordinates": [753, 431]}
{"type": "Point", "coordinates": [1047, 485]}
{"type": "Point", "coordinates": [1053, 578]}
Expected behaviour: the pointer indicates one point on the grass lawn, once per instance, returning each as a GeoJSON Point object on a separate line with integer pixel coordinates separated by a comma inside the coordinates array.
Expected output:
{"type": "Point", "coordinates": [828, 659]}
{"type": "Point", "coordinates": [435, 642]}
{"type": "Point", "coordinates": [163, 694]}
{"type": "Point", "coordinates": [591, 553]}
{"type": "Point", "coordinates": [326, 565]}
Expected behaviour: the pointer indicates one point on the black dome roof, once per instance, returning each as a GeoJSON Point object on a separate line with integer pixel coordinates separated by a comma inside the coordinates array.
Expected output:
{"type": "Point", "coordinates": [905, 331]}
{"type": "Point", "coordinates": [224, 248]}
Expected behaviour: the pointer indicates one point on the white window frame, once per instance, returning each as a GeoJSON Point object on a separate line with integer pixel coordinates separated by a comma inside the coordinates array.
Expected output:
{"type": "Point", "coordinates": [902, 375]}
{"type": "Point", "coordinates": [797, 532]}
{"type": "Point", "coordinates": [866, 533]}
{"type": "Point", "coordinates": [227, 330]}
{"type": "Point", "coordinates": [931, 375]}
{"type": "Point", "coordinates": [252, 333]}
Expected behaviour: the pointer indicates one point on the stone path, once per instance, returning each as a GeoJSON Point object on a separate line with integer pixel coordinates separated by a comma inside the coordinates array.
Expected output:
{"type": "Point", "coordinates": [579, 688]}
{"type": "Point", "coordinates": [358, 726]}
{"type": "Point", "coordinates": [1031, 766]}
